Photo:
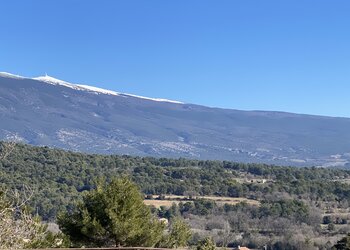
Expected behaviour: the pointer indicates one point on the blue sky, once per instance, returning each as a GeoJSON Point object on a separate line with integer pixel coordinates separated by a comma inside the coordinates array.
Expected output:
{"type": "Point", "coordinates": [252, 55]}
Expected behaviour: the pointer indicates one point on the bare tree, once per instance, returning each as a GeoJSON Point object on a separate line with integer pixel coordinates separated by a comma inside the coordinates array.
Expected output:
{"type": "Point", "coordinates": [18, 228]}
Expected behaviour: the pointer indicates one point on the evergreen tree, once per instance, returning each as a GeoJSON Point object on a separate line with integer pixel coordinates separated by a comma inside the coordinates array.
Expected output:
{"type": "Point", "coordinates": [206, 244]}
{"type": "Point", "coordinates": [179, 235]}
{"type": "Point", "coordinates": [112, 214]}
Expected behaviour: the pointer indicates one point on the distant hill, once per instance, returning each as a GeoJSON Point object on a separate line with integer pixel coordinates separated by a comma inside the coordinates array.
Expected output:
{"type": "Point", "coordinates": [48, 111]}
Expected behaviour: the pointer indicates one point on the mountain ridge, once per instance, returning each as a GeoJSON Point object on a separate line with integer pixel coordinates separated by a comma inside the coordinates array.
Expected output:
{"type": "Point", "coordinates": [85, 87]}
{"type": "Point", "coordinates": [82, 87]}
{"type": "Point", "coordinates": [60, 116]}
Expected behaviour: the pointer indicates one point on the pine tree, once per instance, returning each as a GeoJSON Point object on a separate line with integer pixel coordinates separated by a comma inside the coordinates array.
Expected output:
{"type": "Point", "coordinates": [206, 244]}
{"type": "Point", "coordinates": [179, 234]}
{"type": "Point", "coordinates": [115, 214]}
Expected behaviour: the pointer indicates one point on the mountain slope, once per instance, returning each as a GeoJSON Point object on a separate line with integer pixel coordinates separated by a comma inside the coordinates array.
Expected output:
{"type": "Point", "coordinates": [47, 111]}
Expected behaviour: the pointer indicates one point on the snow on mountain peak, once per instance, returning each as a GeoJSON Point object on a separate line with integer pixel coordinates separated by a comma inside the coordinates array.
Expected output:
{"type": "Point", "coordinates": [9, 75]}
{"type": "Point", "coordinates": [54, 81]}
{"type": "Point", "coordinates": [98, 90]}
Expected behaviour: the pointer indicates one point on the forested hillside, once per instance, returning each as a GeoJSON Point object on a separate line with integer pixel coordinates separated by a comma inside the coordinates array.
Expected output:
{"type": "Point", "coordinates": [311, 199]}
{"type": "Point", "coordinates": [59, 177]}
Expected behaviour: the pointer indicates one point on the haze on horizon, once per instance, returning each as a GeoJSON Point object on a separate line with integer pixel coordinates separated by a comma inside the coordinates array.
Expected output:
{"type": "Point", "coordinates": [288, 56]}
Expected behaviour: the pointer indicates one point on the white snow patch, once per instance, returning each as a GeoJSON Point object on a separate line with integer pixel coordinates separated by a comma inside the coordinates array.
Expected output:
{"type": "Point", "coordinates": [337, 156]}
{"type": "Point", "coordinates": [82, 87]}
{"type": "Point", "coordinates": [99, 90]}
{"type": "Point", "coordinates": [96, 90]}
{"type": "Point", "coordinates": [54, 81]}
{"type": "Point", "coordinates": [153, 99]}
{"type": "Point", "coordinates": [9, 75]}
{"type": "Point", "coordinates": [181, 139]}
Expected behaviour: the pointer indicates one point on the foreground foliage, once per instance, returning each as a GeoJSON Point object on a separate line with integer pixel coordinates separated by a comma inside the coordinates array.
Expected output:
{"type": "Point", "coordinates": [206, 244]}
{"type": "Point", "coordinates": [115, 214]}
{"type": "Point", "coordinates": [19, 229]}
{"type": "Point", "coordinates": [179, 235]}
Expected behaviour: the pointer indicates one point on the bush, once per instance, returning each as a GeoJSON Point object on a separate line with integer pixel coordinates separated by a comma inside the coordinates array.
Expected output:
{"type": "Point", "coordinates": [206, 244]}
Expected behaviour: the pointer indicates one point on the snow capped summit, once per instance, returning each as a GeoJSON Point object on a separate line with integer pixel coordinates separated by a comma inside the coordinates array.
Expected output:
{"type": "Point", "coordinates": [49, 79]}
{"type": "Point", "coordinates": [54, 81]}
{"type": "Point", "coordinates": [82, 87]}
{"type": "Point", "coordinates": [96, 90]}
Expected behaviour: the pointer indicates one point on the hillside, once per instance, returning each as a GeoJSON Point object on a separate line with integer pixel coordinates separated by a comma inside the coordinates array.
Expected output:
{"type": "Point", "coordinates": [59, 178]}
{"type": "Point", "coordinates": [47, 111]}
{"type": "Point", "coordinates": [235, 203]}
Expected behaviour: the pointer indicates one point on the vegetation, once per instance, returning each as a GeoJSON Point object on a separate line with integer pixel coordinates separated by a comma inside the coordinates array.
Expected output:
{"type": "Point", "coordinates": [61, 177]}
{"type": "Point", "coordinates": [343, 244]}
{"type": "Point", "coordinates": [296, 208]}
{"type": "Point", "coordinates": [18, 228]}
{"type": "Point", "coordinates": [179, 235]}
{"type": "Point", "coordinates": [112, 213]}
{"type": "Point", "coordinates": [206, 244]}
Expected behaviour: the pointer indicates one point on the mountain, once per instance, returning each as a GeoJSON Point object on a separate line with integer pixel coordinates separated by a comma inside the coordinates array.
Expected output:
{"type": "Point", "coordinates": [52, 112]}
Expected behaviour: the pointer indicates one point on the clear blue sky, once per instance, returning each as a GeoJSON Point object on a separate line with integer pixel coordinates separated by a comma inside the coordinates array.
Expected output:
{"type": "Point", "coordinates": [266, 55]}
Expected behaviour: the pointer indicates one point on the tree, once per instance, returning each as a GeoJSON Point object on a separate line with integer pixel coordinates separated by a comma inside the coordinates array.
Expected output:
{"type": "Point", "coordinates": [113, 213]}
{"type": "Point", "coordinates": [19, 229]}
{"type": "Point", "coordinates": [206, 244]}
{"type": "Point", "coordinates": [179, 235]}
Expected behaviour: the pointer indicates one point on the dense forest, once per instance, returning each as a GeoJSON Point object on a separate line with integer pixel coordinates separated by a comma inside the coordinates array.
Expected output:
{"type": "Point", "coordinates": [300, 208]}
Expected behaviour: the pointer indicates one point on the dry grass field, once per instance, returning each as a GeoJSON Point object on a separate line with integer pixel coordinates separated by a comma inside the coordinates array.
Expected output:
{"type": "Point", "coordinates": [160, 203]}
{"type": "Point", "coordinates": [168, 200]}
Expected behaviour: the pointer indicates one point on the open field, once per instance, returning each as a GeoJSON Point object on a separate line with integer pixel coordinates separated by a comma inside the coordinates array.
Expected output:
{"type": "Point", "coordinates": [168, 200]}
{"type": "Point", "coordinates": [160, 203]}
